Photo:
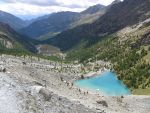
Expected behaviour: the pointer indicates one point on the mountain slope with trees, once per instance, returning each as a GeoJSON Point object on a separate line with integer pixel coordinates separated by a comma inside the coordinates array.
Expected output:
{"type": "Point", "coordinates": [118, 16]}
{"type": "Point", "coordinates": [11, 41]}
{"type": "Point", "coordinates": [128, 50]}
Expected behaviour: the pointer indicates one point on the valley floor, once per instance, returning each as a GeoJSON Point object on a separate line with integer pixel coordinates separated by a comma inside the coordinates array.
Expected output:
{"type": "Point", "coordinates": [32, 86]}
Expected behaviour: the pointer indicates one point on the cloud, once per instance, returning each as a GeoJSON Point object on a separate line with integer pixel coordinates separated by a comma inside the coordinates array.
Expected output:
{"type": "Point", "coordinates": [34, 2]}
{"type": "Point", "coordinates": [23, 10]}
{"type": "Point", "coordinates": [81, 3]}
{"type": "Point", "coordinates": [34, 8]}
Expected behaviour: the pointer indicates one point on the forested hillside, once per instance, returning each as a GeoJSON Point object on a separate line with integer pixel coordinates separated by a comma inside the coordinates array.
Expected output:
{"type": "Point", "coordinates": [13, 43]}
{"type": "Point", "coordinates": [129, 52]}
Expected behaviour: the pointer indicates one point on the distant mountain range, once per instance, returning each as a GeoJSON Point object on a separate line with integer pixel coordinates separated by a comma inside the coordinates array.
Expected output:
{"type": "Point", "coordinates": [50, 25]}
{"type": "Point", "coordinates": [12, 20]}
{"type": "Point", "coordinates": [53, 23]}
{"type": "Point", "coordinates": [15, 22]}
{"type": "Point", "coordinates": [66, 30]}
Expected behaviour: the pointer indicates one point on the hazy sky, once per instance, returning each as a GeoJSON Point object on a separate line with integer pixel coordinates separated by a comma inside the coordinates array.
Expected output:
{"type": "Point", "coordinates": [33, 8]}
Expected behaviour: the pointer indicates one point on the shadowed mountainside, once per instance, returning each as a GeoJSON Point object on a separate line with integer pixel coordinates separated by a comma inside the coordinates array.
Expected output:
{"type": "Point", "coordinates": [10, 39]}
{"type": "Point", "coordinates": [119, 15]}
{"type": "Point", "coordinates": [15, 22]}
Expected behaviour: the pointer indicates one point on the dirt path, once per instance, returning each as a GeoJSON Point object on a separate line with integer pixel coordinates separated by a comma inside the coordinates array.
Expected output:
{"type": "Point", "coordinates": [9, 102]}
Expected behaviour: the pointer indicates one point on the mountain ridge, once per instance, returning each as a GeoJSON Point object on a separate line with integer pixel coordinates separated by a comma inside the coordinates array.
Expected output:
{"type": "Point", "coordinates": [73, 19]}
{"type": "Point", "coordinates": [93, 9]}
{"type": "Point", "coordinates": [11, 40]}
{"type": "Point", "coordinates": [52, 23]}
{"type": "Point", "coordinates": [117, 17]}
{"type": "Point", "coordinates": [15, 22]}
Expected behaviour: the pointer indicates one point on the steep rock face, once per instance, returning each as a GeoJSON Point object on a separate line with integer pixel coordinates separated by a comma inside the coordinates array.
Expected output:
{"type": "Point", "coordinates": [90, 15]}
{"type": "Point", "coordinates": [118, 16]}
{"type": "Point", "coordinates": [15, 22]}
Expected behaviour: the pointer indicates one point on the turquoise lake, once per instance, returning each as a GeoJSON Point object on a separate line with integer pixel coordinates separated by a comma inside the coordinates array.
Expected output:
{"type": "Point", "coordinates": [106, 83]}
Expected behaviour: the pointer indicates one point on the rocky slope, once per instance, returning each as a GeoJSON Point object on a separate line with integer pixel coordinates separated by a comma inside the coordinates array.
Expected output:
{"type": "Point", "coordinates": [35, 87]}
{"type": "Point", "coordinates": [90, 15]}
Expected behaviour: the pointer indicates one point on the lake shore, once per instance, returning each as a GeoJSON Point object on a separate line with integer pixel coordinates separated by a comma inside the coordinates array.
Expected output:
{"type": "Point", "coordinates": [32, 77]}
{"type": "Point", "coordinates": [105, 82]}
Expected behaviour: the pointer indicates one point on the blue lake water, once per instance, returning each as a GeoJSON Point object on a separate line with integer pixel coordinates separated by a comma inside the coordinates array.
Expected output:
{"type": "Point", "coordinates": [106, 83]}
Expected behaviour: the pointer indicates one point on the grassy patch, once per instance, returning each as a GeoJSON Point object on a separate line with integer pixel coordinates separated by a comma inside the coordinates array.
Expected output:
{"type": "Point", "coordinates": [48, 35]}
{"type": "Point", "coordinates": [147, 57]}
{"type": "Point", "coordinates": [141, 91]}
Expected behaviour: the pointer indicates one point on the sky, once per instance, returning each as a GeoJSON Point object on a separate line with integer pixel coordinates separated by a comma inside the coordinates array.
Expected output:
{"type": "Point", "coordinates": [27, 9]}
